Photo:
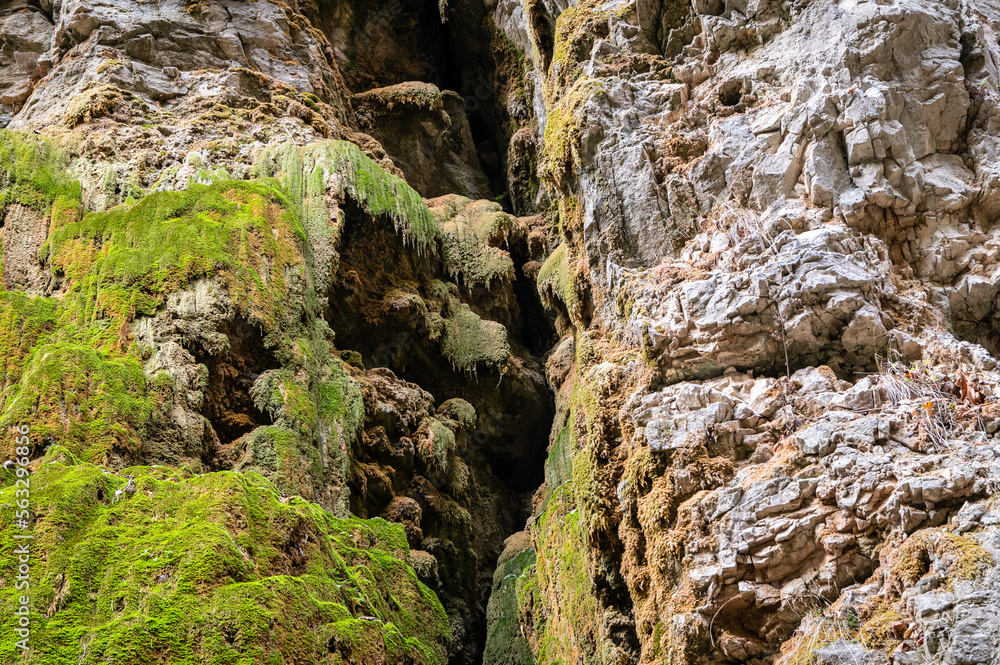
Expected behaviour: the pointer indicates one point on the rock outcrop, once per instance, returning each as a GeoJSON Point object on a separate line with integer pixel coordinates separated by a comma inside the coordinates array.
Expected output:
{"type": "Point", "coordinates": [775, 282]}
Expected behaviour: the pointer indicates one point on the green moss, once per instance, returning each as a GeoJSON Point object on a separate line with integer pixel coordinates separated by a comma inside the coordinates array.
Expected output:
{"type": "Point", "coordinates": [468, 341]}
{"type": "Point", "coordinates": [109, 64]}
{"type": "Point", "coordinates": [92, 402]}
{"type": "Point", "coordinates": [33, 173]}
{"type": "Point", "coordinates": [210, 569]}
{"type": "Point", "coordinates": [511, 75]}
{"type": "Point", "coordinates": [306, 174]}
{"type": "Point", "coordinates": [568, 87]}
{"type": "Point", "coordinates": [217, 568]}
{"type": "Point", "coordinates": [102, 101]}
{"type": "Point", "coordinates": [956, 557]}
{"type": "Point", "coordinates": [340, 398]}
{"type": "Point", "coordinates": [23, 322]}
{"type": "Point", "coordinates": [460, 411]}
{"type": "Point", "coordinates": [506, 643]}
{"type": "Point", "coordinates": [564, 596]}
{"type": "Point", "coordinates": [322, 404]}
{"type": "Point", "coordinates": [877, 630]}
{"type": "Point", "coordinates": [557, 284]}
{"type": "Point", "coordinates": [408, 96]}
{"type": "Point", "coordinates": [559, 463]}
{"type": "Point", "coordinates": [438, 446]}
{"type": "Point", "coordinates": [562, 136]}
{"type": "Point", "coordinates": [472, 234]}
{"type": "Point", "coordinates": [122, 263]}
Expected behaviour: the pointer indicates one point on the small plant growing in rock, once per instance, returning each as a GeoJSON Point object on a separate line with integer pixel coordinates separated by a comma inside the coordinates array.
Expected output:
{"type": "Point", "coordinates": [939, 403]}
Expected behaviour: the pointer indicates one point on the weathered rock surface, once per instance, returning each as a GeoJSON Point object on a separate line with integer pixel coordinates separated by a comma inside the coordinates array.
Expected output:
{"type": "Point", "coordinates": [784, 213]}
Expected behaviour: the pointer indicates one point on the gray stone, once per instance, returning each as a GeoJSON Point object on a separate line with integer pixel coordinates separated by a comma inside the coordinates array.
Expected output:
{"type": "Point", "coordinates": [819, 439]}
{"type": "Point", "coordinates": [843, 652]}
{"type": "Point", "coordinates": [928, 604]}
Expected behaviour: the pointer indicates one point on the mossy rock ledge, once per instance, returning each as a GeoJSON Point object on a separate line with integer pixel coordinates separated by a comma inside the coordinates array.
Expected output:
{"type": "Point", "coordinates": [192, 421]}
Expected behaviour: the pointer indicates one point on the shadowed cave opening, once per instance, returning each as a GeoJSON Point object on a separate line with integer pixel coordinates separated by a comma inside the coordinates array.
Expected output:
{"type": "Point", "coordinates": [376, 312]}
{"type": "Point", "coordinates": [376, 308]}
{"type": "Point", "coordinates": [446, 44]}
{"type": "Point", "coordinates": [231, 373]}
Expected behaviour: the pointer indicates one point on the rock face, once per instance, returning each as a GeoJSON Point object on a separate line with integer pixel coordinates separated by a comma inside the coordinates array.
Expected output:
{"type": "Point", "coordinates": [781, 211]}
{"type": "Point", "coordinates": [506, 332]}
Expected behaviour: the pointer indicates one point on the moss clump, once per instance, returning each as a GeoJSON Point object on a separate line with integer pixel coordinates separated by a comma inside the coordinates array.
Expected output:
{"type": "Point", "coordinates": [122, 263]}
{"type": "Point", "coordinates": [955, 557]}
{"type": "Point", "coordinates": [468, 341]}
{"type": "Point", "coordinates": [436, 446]}
{"type": "Point", "coordinates": [472, 234]}
{"type": "Point", "coordinates": [409, 96]}
{"type": "Point", "coordinates": [216, 569]}
{"type": "Point", "coordinates": [111, 63]}
{"type": "Point", "coordinates": [317, 411]}
{"type": "Point", "coordinates": [878, 626]}
{"type": "Point", "coordinates": [576, 30]}
{"type": "Point", "coordinates": [557, 285]}
{"type": "Point", "coordinates": [106, 101]}
{"type": "Point", "coordinates": [562, 135]}
{"type": "Point", "coordinates": [23, 322]}
{"type": "Point", "coordinates": [511, 75]}
{"type": "Point", "coordinates": [568, 87]}
{"type": "Point", "coordinates": [33, 174]}
{"type": "Point", "coordinates": [309, 173]}
{"type": "Point", "coordinates": [460, 411]}
{"type": "Point", "coordinates": [94, 403]}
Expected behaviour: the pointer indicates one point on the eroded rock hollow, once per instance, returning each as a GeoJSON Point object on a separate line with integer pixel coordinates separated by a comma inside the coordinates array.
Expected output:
{"type": "Point", "coordinates": [504, 332]}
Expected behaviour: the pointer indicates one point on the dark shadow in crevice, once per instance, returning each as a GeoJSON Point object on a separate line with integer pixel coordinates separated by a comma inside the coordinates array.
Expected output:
{"type": "Point", "coordinates": [228, 405]}
{"type": "Point", "coordinates": [378, 308]}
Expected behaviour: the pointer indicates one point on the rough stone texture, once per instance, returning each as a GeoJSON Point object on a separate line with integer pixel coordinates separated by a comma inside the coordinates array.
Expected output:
{"type": "Point", "coordinates": [785, 214]}
{"type": "Point", "coordinates": [428, 136]}
{"type": "Point", "coordinates": [23, 232]}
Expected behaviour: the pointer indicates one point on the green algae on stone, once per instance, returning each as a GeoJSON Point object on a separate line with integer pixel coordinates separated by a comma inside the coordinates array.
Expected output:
{"type": "Point", "coordinates": [217, 568]}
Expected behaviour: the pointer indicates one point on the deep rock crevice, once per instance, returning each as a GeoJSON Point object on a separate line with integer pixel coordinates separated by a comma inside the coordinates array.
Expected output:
{"type": "Point", "coordinates": [387, 305]}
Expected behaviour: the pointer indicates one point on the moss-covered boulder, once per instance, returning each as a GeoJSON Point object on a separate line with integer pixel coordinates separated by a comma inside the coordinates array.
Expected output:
{"type": "Point", "coordinates": [221, 568]}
